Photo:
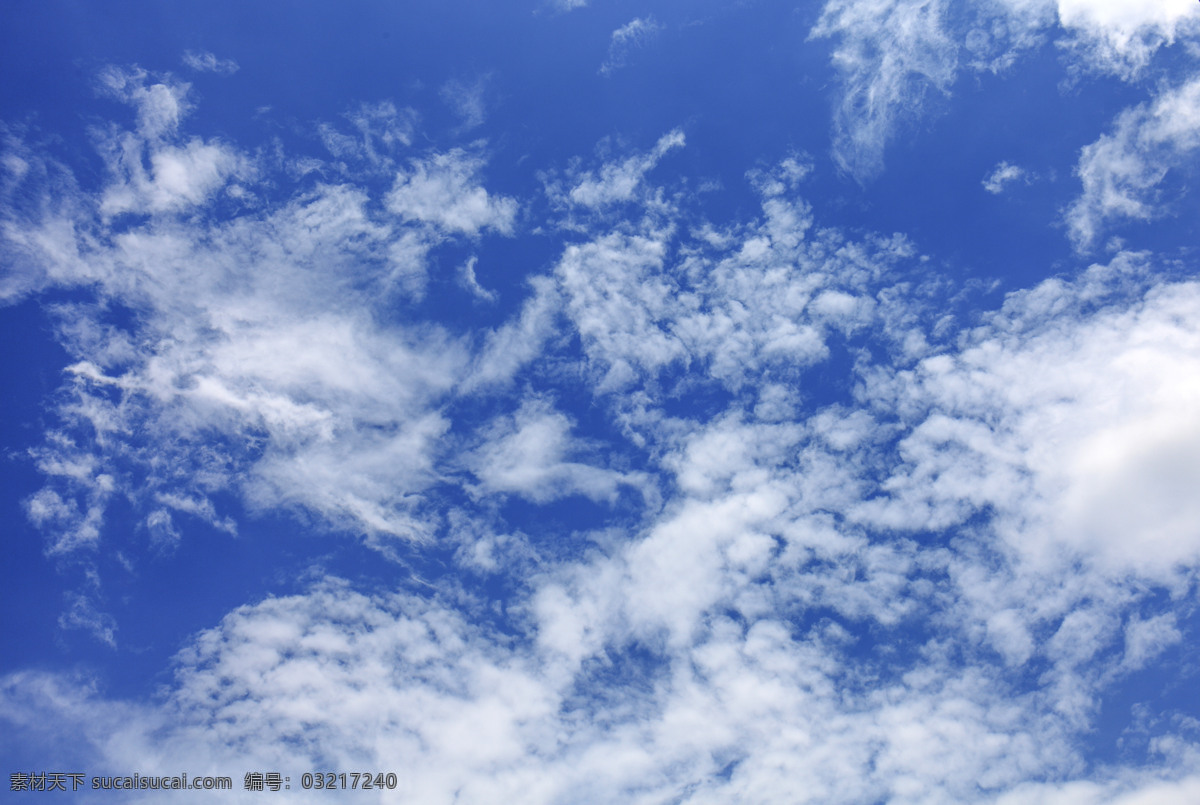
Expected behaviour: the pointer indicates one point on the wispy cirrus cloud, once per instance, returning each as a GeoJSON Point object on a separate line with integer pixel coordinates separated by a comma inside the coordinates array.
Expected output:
{"type": "Point", "coordinates": [466, 99]}
{"type": "Point", "coordinates": [1122, 170]}
{"type": "Point", "coordinates": [894, 55]}
{"type": "Point", "coordinates": [382, 132]}
{"type": "Point", "coordinates": [891, 54]}
{"type": "Point", "coordinates": [617, 182]}
{"type": "Point", "coordinates": [203, 61]}
{"type": "Point", "coordinates": [528, 453]}
{"type": "Point", "coordinates": [626, 39]}
{"type": "Point", "coordinates": [253, 335]}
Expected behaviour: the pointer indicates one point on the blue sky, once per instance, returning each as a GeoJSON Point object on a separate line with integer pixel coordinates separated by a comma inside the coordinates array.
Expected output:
{"type": "Point", "coordinates": [590, 401]}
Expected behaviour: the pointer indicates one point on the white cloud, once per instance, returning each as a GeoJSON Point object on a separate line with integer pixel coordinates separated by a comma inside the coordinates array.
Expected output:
{"type": "Point", "coordinates": [617, 295]}
{"type": "Point", "coordinates": [468, 280]}
{"type": "Point", "coordinates": [1133, 790]}
{"type": "Point", "coordinates": [894, 54]}
{"type": "Point", "coordinates": [615, 182]}
{"type": "Point", "coordinates": [179, 177]}
{"type": "Point", "coordinates": [766, 295]}
{"type": "Point", "coordinates": [777, 402]}
{"type": "Point", "coordinates": [630, 36]}
{"type": "Point", "coordinates": [1146, 639]}
{"type": "Point", "coordinates": [1004, 174]}
{"type": "Point", "coordinates": [1010, 636]}
{"type": "Point", "coordinates": [1122, 169]}
{"type": "Point", "coordinates": [1089, 457]}
{"type": "Point", "coordinates": [735, 704]}
{"type": "Point", "coordinates": [258, 360]}
{"type": "Point", "coordinates": [891, 54]}
{"type": "Point", "coordinates": [83, 614]}
{"type": "Point", "coordinates": [203, 61]}
{"type": "Point", "coordinates": [999, 33]}
{"type": "Point", "coordinates": [442, 190]}
{"type": "Point", "coordinates": [160, 106]}
{"type": "Point", "coordinates": [328, 677]}
{"type": "Point", "coordinates": [1055, 443]}
{"type": "Point", "coordinates": [527, 453]}
{"type": "Point", "coordinates": [519, 341]}
{"type": "Point", "coordinates": [466, 100]}
{"type": "Point", "coordinates": [153, 169]}
{"type": "Point", "coordinates": [1121, 36]}
{"type": "Point", "coordinates": [383, 130]}
{"type": "Point", "coordinates": [1118, 37]}
{"type": "Point", "coordinates": [74, 524]}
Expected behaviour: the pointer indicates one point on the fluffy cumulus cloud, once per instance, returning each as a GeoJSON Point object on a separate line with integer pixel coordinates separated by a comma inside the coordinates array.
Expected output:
{"type": "Point", "coordinates": [1121, 36]}
{"type": "Point", "coordinates": [735, 304]}
{"type": "Point", "coordinates": [1070, 468]}
{"type": "Point", "coordinates": [848, 545]}
{"type": "Point", "coordinates": [443, 191]}
{"type": "Point", "coordinates": [1129, 370]}
{"type": "Point", "coordinates": [153, 169]}
{"type": "Point", "coordinates": [338, 677]}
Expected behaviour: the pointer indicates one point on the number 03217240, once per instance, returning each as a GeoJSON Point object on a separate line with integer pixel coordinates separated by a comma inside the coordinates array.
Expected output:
{"type": "Point", "coordinates": [347, 780]}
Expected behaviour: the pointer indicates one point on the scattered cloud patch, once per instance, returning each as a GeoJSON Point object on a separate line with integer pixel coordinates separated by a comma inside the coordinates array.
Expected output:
{"type": "Point", "coordinates": [160, 104]}
{"type": "Point", "coordinates": [82, 613]}
{"type": "Point", "coordinates": [1121, 170]}
{"type": "Point", "coordinates": [256, 362]}
{"type": "Point", "coordinates": [615, 182]}
{"type": "Point", "coordinates": [527, 454]}
{"type": "Point", "coordinates": [730, 308]}
{"type": "Point", "coordinates": [519, 341]}
{"type": "Point", "coordinates": [894, 55]}
{"type": "Point", "coordinates": [443, 190]}
{"type": "Point", "coordinates": [468, 280]}
{"type": "Point", "coordinates": [203, 61]}
{"type": "Point", "coordinates": [1146, 639]}
{"type": "Point", "coordinates": [631, 36]}
{"type": "Point", "coordinates": [1003, 175]}
{"type": "Point", "coordinates": [382, 132]}
{"type": "Point", "coordinates": [466, 100]}
{"type": "Point", "coordinates": [1064, 476]}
